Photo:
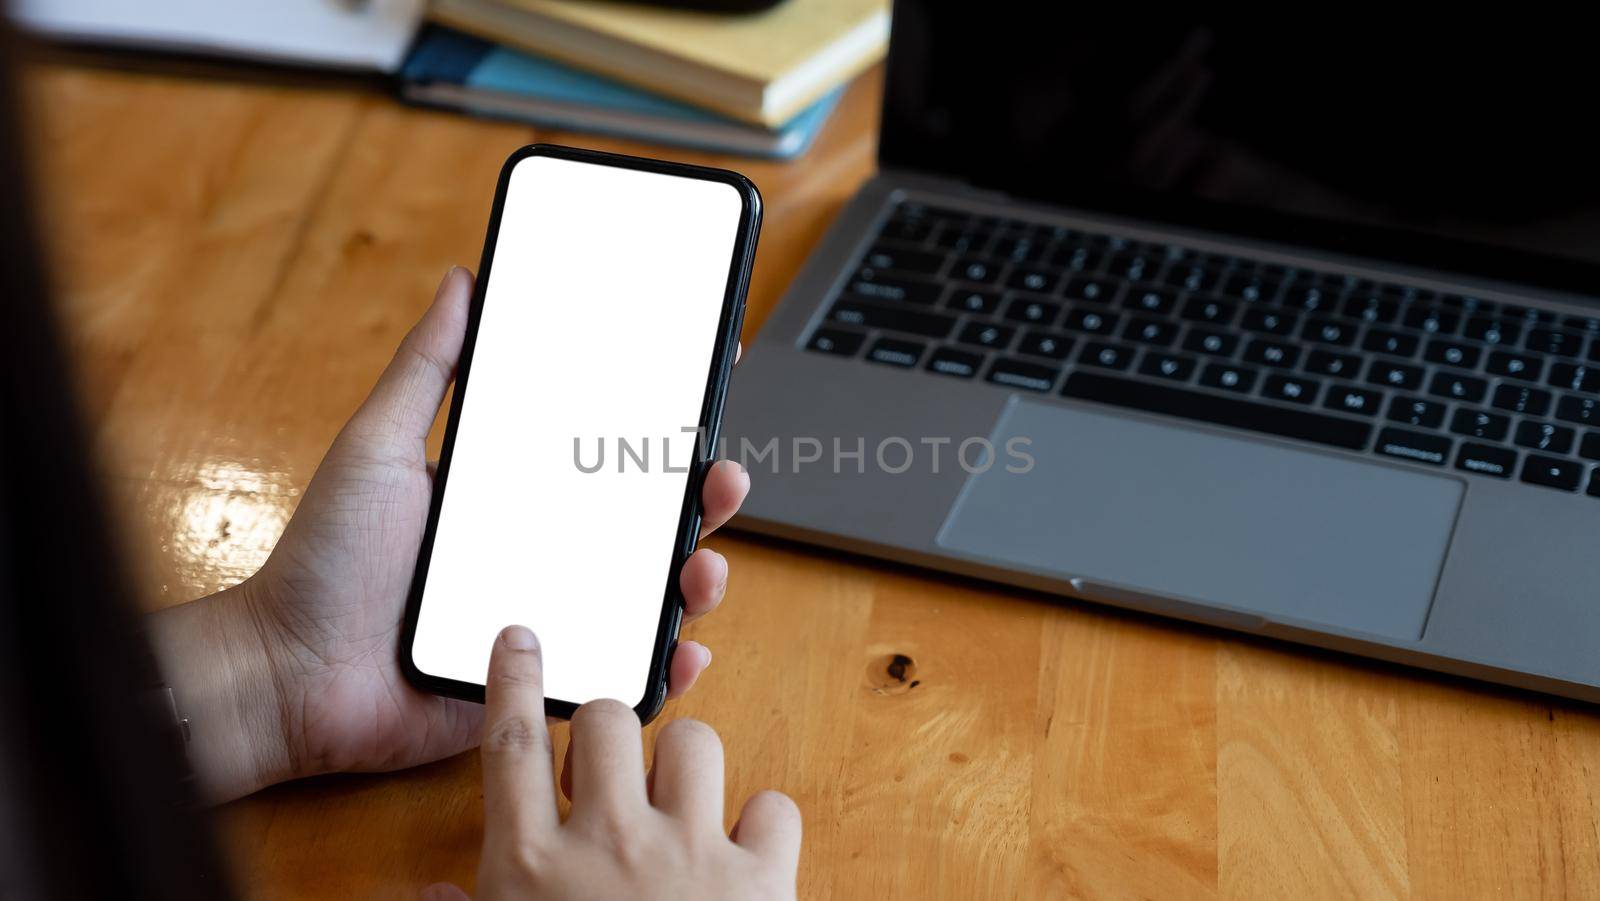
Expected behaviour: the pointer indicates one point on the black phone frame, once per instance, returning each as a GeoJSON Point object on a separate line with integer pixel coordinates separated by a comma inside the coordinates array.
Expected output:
{"type": "Point", "coordinates": [729, 323]}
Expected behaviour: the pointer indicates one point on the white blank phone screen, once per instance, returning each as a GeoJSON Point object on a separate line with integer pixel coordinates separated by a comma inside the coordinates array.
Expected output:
{"type": "Point", "coordinates": [599, 325]}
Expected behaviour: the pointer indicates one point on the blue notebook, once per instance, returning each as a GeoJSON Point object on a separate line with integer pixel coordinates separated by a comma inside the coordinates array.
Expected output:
{"type": "Point", "coordinates": [454, 70]}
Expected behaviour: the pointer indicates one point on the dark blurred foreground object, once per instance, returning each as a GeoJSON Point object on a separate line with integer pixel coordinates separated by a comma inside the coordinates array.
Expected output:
{"type": "Point", "coordinates": [761, 67]}
{"type": "Point", "coordinates": [94, 801]}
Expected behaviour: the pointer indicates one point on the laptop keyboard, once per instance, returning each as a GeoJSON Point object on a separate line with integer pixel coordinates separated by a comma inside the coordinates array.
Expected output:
{"type": "Point", "coordinates": [1437, 379]}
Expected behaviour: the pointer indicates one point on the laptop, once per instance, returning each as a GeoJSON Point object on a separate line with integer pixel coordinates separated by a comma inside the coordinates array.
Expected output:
{"type": "Point", "coordinates": [1292, 331]}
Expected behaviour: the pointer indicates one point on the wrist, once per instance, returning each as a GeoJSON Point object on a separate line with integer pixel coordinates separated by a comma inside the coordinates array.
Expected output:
{"type": "Point", "coordinates": [214, 656]}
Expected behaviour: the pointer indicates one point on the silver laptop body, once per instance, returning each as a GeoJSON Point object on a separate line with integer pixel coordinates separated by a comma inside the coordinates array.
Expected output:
{"type": "Point", "coordinates": [1416, 495]}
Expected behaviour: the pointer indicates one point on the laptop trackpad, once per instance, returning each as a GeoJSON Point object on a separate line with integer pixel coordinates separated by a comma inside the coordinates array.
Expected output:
{"type": "Point", "coordinates": [1258, 527]}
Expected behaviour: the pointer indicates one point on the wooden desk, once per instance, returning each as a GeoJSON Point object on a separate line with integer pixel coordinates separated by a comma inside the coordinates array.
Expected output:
{"type": "Point", "coordinates": [237, 263]}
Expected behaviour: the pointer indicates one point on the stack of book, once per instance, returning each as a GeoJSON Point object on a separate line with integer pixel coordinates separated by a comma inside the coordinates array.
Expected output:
{"type": "Point", "coordinates": [756, 83]}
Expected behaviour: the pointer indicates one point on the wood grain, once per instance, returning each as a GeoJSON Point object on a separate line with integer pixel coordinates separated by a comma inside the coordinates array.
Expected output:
{"type": "Point", "coordinates": [236, 261]}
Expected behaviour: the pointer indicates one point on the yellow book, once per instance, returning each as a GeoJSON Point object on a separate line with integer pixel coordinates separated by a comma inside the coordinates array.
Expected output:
{"type": "Point", "coordinates": [762, 67]}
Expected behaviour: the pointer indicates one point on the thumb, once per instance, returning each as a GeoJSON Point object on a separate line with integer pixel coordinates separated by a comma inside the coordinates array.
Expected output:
{"type": "Point", "coordinates": [405, 402]}
{"type": "Point", "coordinates": [444, 891]}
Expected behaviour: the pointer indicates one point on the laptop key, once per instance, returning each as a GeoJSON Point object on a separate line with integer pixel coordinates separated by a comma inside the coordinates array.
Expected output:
{"type": "Point", "coordinates": [1177, 253]}
{"type": "Point", "coordinates": [1091, 321]}
{"type": "Point", "coordinates": [1518, 399]}
{"type": "Point", "coordinates": [1020, 248]}
{"type": "Point", "coordinates": [1395, 344]}
{"type": "Point", "coordinates": [1323, 330]}
{"type": "Point", "coordinates": [1193, 277]}
{"type": "Point", "coordinates": [1151, 299]}
{"type": "Point", "coordinates": [970, 301]}
{"type": "Point", "coordinates": [1078, 258]}
{"type": "Point", "coordinates": [1327, 362]}
{"type": "Point", "coordinates": [1545, 436]}
{"type": "Point", "coordinates": [1370, 307]}
{"type": "Point", "coordinates": [1458, 387]}
{"type": "Point", "coordinates": [1272, 353]}
{"type": "Point", "coordinates": [1229, 378]}
{"type": "Point", "coordinates": [1106, 356]}
{"type": "Point", "coordinates": [936, 213]}
{"type": "Point", "coordinates": [1035, 279]}
{"type": "Point", "coordinates": [1575, 377]}
{"type": "Point", "coordinates": [1347, 399]}
{"type": "Point", "coordinates": [1480, 424]}
{"type": "Point", "coordinates": [1216, 344]}
{"type": "Point", "coordinates": [1452, 353]}
{"type": "Point", "coordinates": [1594, 483]}
{"type": "Point", "coordinates": [1415, 411]}
{"type": "Point", "coordinates": [1516, 366]}
{"type": "Point", "coordinates": [1552, 341]}
{"type": "Point", "coordinates": [1591, 446]}
{"type": "Point", "coordinates": [1155, 332]}
{"type": "Point", "coordinates": [1094, 290]}
{"type": "Point", "coordinates": [1417, 446]}
{"type": "Point", "coordinates": [1551, 472]}
{"type": "Point", "coordinates": [1589, 325]}
{"type": "Point", "coordinates": [1394, 375]}
{"type": "Point", "coordinates": [1270, 321]}
{"type": "Point", "coordinates": [1432, 320]}
{"type": "Point", "coordinates": [1469, 304]}
{"type": "Point", "coordinates": [1045, 344]}
{"type": "Point", "coordinates": [874, 285]}
{"type": "Point", "coordinates": [1176, 367]}
{"type": "Point", "coordinates": [1294, 389]}
{"type": "Point", "coordinates": [1250, 287]}
{"type": "Point", "coordinates": [1200, 406]}
{"type": "Point", "coordinates": [894, 352]}
{"type": "Point", "coordinates": [952, 362]}
{"type": "Point", "coordinates": [1017, 374]}
{"type": "Point", "coordinates": [1133, 265]}
{"type": "Point", "coordinates": [902, 259]}
{"type": "Point", "coordinates": [1528, 316]}
{"type": "Point", "coordinates": [1594, 350]}
{"type": "Point", "coordinates": [1492, 331]}
{"type": "Point", "coordinates": [984, 334]}
{"type": "Point", "coordinates": [1310, 297]}
{"type": "Point", "coordinates": [836, 341]}
{"type": "Point", "coordinates": [1211, 312]}
{"type": "Point", "coordinates": [910, 230]}
{"type": "Point", "coordinates": [1582, 410]}
{"type": "Point", "coordinates": [976, 269]}
{"type": "Point", "coordinates": [892, 318]}
{"type": "Point", "coordinates": [1487, 460]}
{"type": "Point", "coordinates": [1035, 312]}
{"type": "Point", "coordinates": [962, 238]}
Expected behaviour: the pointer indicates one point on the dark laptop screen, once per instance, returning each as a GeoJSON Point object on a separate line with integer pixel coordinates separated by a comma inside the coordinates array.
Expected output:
{"type": "Point", "coordinates": [1473, 150]}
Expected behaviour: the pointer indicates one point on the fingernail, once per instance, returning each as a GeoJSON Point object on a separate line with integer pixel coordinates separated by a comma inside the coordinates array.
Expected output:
{"type": "Point", "coordinates": [519, 638]}
{"type": "Point", "coordinates": [708, 656]}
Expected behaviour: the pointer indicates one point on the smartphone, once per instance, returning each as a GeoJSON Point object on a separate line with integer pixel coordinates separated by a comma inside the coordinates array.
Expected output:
{"type": "Point", "coordinates": [603, 331]}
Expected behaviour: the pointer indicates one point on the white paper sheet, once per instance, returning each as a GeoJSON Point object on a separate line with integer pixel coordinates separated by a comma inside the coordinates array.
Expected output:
{"type": "Point", "coordinates": [354, 34]}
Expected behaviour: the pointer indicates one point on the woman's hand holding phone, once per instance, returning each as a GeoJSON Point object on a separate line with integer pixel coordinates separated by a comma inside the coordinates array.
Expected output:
{"type": "Point", "coordinates": [629, 835]}
{"type": "Point", "coordinates": [295, 672]}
